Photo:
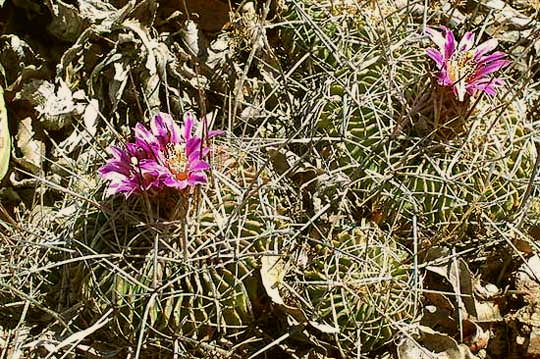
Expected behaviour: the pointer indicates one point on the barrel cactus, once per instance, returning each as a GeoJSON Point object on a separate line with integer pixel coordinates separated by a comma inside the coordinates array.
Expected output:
{"type": "Point", "coordinates": [473, 160]}
{"type": "Point", "coordinates": [184, 262]}
{"type": "Point", "coordinates": [477, 180]}
{"type": "Point", "coordinates": [355, 288]}
{"type": "Point", "coordinates": [352, 100]}
{"type": "Point", "coordinates": [416, 147]}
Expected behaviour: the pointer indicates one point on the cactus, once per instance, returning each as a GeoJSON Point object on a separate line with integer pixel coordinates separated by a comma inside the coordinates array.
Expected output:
{"type": "Point", "coordinates": [454, 165]}
{"type": "Point", "coordinates": [356, 283]}
{"type": "Point", "coordinates": [207, 289]}
{"type": "Point", "coordinates": [476, 180]}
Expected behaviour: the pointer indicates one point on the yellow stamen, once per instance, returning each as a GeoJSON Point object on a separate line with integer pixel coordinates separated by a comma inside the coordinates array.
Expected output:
{"type": "Point", "coordinates": [176, 161]}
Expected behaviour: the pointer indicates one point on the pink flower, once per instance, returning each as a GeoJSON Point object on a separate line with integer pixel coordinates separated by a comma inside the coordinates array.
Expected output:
{"type": "Point", "coordinates": [163, 156]}
{"type": "Point", "coordinates": [464, 68]}
{"type": "Point", "coordinates": [127, 170]}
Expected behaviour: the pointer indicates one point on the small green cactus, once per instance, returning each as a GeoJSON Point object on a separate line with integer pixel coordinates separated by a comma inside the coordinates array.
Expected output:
{"type": "Point", "coordinates": [411, 149]}
{"type": "Point", "coordinates": [357, 283]}
{"type": "Point", "coordinates": [475, 179]}
{"type": "Point", "coordinates": [202, 282]}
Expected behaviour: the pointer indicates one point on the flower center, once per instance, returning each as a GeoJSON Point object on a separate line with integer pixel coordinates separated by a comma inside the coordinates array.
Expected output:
{"type": "Point", "coordinates": [461, 66]}
{"type": "Point", "coordinates": [176, 160]}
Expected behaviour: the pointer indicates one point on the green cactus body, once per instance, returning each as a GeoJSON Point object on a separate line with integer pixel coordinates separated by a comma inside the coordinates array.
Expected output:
{"type": "Point", "coordinates": [357, 283]}
{"type": "Point", "coordinates": [215, 290]}
{"type": "Point", "coordinates": [483, 176]}
{"type": "Point", "coordinates": [330, 22]}
{"type": "Point", "coordinates": [454, 166]}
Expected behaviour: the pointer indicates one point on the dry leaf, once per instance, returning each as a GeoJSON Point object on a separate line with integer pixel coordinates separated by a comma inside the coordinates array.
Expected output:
{"type": "Point", "coordinates": [533, 349]}
{"type": "Point", "coordinates": [528, 279]}
{"type": "Point", "coordinates": [31, 148]}
{"type": "Point", "coordinates": [477, 338]}
{"type": "Point", "coordinates": [91, 116]}
{"type": "Point", "coordinates": [118, 82]}
{"type": "Point", "coordinates": [5, 138]}
{"type": "Point", "coordinates": [272, 274]}
{"type": "Point", "coordinates": [292, 165]}
{"type": "Point", "coordinates": [506, 14]}
{"type": "Point", "coordinates": [211, 15]}
{"type": "Point", "coordinates": [430, 344]}
{"type": "Point", "coordinates": [194, 39]}
{"type": "Point", "coordinates": [55, 106]}
{"type": "Point", "coordinates": [324, 328]}
{"type": "Point", "coordinates": [78, 138]}
{"type": "Point", "coordinates": [66, 23]}
{"type": "Point", "coordinates": [457, 272]}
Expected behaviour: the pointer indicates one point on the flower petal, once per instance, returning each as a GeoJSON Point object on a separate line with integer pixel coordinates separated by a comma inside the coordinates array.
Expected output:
{"type": "Point", "coordinates": [111, 173]}
{"type": "Point", "coordinates": [189, 120]}
{"type": "Point", "coordinates": [436, 56]}
{"type": "Point", "coordinates": [145, 139]}
{"type": "Point", "coordinates": [437, 38]}
{"type": "Point", "coordinates": [173, 182]}
{"type": "Point", "coordinates": [118, 165]}
{"type": "Point", "coordinates": [215, 133]}
{"type": "Point", "coordinates": [143, 134]}
{"type": "Point", "coordinates": [118, 153]}
{"type": "Point", "coordinates": [165, 129]}
{"type": "Point", "coordinates": [487, 85]}
{"type": "Point", "coordinates": [205, 152]}
{"type": "Point", "coordinates": [126, 185]}
{"type": "Point", "coordinates": [158, 127]}
{"type": "Point", "coordinates": [484, 48]}
{"type": "Point", "coordinates": [195, 179]}
{"type": "Point", "coordinates": [444, 79]}
{"type": "Point", "coordinates": [493, 57]}
{"type": "Point", "coordinates": [450, 44]}
{"type": "Point", "coordinates": [197, 166]}
{"type": "Point", "coordinates": [175, 133]}
{"type": "Point", "coordinates": [113, 169]}
{"type": "Point", "coordinates": [481, 83]}
{"type": "Point", "coordinates": [485, 70]}
{"type": "Point", "coordinates": [193, 145]}
{"type": "Point", "coordinates": [466, 42]}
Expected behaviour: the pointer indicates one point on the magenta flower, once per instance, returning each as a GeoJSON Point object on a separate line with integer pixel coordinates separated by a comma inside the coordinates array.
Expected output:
{"type": "Point", "coordinates": [127, 171]}
{"type": "Point", "coordinates": [163, 156]}
{"type": "Point", "coordinates": [464, 68]}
